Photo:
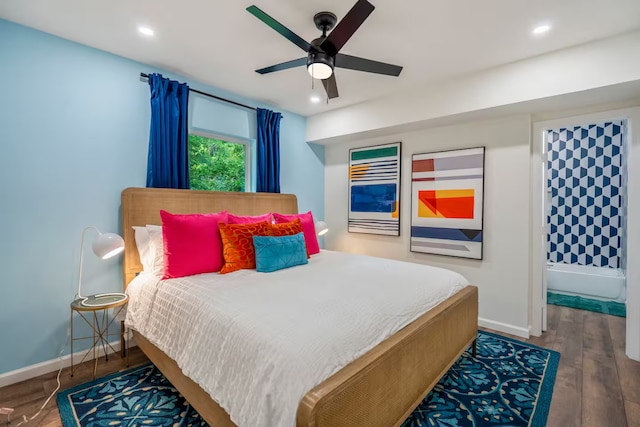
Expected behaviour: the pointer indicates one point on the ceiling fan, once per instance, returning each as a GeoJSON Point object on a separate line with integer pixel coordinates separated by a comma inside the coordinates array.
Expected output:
{"type": "Point", "coordinates": [323, 53]}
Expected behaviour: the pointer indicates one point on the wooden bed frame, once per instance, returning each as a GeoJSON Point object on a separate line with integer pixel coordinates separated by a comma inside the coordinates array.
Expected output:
{"type": "Point", "coordinates": [380, 388]}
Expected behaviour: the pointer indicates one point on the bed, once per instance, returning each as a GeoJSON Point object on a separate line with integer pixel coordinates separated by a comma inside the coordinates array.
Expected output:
{"type": "Point", "coordinates": [379, 388]}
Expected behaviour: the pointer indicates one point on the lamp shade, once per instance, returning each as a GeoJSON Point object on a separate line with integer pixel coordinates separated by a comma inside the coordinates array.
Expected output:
{"type": "Point", "coordinates": [107, 245]}
{"type": "Point", "coordinates": [321, 228]}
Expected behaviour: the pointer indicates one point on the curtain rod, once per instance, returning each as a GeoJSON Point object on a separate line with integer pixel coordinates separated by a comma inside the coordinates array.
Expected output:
{"type": "Point", "coordinates": [146, 76]}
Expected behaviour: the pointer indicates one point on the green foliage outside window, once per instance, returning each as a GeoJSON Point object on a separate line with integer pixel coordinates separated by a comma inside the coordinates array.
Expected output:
{"type": "Point", "coordinates": [215, 164]}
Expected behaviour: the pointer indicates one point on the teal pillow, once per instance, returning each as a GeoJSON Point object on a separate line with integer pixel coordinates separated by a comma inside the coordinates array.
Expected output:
{"type": "Point", "coordinates": [276, 253]}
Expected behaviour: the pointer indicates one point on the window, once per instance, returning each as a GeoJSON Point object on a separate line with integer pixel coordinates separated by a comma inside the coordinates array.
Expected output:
{"type": "Point", "coordinates": [218, 165]}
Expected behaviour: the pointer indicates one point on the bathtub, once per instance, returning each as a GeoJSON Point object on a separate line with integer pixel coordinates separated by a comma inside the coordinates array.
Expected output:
{"type": "Point", "coordinates": [602, 283]}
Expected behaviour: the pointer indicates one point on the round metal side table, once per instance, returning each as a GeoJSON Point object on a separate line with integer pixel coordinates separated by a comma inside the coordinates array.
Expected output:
{"type": "Point", "coordinates": [97, 308]}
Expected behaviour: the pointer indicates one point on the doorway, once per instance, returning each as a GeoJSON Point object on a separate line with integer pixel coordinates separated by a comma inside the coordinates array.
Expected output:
{"type": "Point", "coordinates": [566, 222]}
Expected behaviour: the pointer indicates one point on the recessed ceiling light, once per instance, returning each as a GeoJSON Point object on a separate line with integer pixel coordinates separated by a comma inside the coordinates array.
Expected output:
{"type": "Point", "coordinates": [541, 29]}
{"type": "Point", "coordinates": [315, 99]}
{"type": "Point", "coordinates": [145, 30]}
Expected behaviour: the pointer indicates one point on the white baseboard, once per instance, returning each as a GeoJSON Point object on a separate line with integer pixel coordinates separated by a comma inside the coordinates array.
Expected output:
{"type": "Point", "coordinates": [504, 327]}
{"type": "Point", "coordinates": [53, 365]}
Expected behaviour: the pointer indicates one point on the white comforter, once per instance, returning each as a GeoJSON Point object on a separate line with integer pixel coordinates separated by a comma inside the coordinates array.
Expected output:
{"type": "Point", "coordinates": [257, 342]}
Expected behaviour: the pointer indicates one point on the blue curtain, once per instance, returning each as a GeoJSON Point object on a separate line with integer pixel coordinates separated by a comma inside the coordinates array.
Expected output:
{"type": "Point", "coordinates": [168, 161]}
{"type": "Point", "coordinates": [268, 155]}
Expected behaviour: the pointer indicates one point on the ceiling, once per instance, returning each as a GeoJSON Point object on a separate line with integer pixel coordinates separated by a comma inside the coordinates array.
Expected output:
{"type": "Point", "coordinates": [219, 43]}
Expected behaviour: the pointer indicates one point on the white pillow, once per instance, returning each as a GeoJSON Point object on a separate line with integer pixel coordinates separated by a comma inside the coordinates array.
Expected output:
{"type": "Point", "coordinates": [150, 248]}
{"type": "Point", "coordinates": [156, 250]}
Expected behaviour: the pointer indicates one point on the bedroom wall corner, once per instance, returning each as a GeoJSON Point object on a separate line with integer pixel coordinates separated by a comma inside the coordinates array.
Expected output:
{"type": "Point", "coordinates": [302, 166]}
{"type": "Point", "coordinates": [503, 275]}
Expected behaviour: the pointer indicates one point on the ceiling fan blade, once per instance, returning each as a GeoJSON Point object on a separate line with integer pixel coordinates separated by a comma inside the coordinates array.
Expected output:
{"type": "Point", "coordinates": [287, 33]}
{"type": "Point", "coordinates": [283, 66]}
{"type": "Point", "coordinates": [331, 86]}
{"type": "Point", "coordinates": [346, 27]}
{"type": "Point", "coordinates": [367, 65]}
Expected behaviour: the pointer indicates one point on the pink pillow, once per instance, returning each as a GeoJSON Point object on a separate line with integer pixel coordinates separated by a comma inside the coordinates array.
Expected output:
{"type": "Point", "coordinates": [308, 228]}
{"type": "Point", "coordinates": [192, 243]}
{"type": "Point", "coordinates": [237, 219]}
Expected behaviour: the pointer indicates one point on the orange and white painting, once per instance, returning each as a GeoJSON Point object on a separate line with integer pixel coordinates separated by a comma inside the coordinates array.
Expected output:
{"type": "Point", "coordinates": [447, 191]}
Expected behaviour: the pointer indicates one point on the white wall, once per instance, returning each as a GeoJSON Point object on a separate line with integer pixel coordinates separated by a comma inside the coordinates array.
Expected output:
{"type": "Point", "coordinates": [503, 275]}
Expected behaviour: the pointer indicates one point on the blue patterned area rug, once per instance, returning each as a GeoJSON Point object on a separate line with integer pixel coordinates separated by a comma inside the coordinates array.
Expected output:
{"type": "Point", "coordinates": [508, 383]}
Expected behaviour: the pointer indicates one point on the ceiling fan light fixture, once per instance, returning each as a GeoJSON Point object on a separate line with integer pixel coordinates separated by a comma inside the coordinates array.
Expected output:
{"type": "Point", "coordinates": [319, 71]}
{"type": "Point", "coordinates": [319, 65]}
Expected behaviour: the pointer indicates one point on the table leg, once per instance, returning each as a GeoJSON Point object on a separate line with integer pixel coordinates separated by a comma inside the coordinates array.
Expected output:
{"type": "Point", "coordinates": [95, 360]}
{"type": "Point", "coordinates": [105, 333]}
{"type": "Point", "coordinates": [71, 342]}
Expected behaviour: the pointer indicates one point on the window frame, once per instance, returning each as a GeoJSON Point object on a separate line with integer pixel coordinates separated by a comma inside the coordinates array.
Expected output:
{"type": "Point", "coordinates": [232, 140]}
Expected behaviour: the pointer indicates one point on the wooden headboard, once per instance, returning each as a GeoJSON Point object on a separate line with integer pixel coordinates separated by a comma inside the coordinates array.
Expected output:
{"type": "Point", "coordinates": [141, 206]}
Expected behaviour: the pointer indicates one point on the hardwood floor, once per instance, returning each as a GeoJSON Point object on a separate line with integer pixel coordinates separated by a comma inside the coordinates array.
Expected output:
{"type": "Point", "coordinates": [596, 384]}
{"type": "Point", "coordinates": [28, 396]}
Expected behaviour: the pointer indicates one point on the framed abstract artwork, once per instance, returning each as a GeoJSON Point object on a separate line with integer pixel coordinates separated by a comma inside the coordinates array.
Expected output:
{"type": "Point", "coordinates": [374, 189]}
{"type": "Point", "coordinates": [447, 195]}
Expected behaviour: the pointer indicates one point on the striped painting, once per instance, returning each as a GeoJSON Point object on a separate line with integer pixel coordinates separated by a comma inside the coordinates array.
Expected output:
{"type": "Point", "coordinates": [447, 193]}
{"type": "Point", "coordinates": [374, 190]}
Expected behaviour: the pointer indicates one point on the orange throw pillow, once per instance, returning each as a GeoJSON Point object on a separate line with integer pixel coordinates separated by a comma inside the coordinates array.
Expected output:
{"type": "Point", "coordinates": [237, 244]}
{"type": "Point", "coordinates": [288, 229]}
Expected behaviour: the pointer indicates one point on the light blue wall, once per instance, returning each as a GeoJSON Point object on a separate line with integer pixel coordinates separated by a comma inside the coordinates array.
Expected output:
{"type": "Point", "coordinates": [74, 126]}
